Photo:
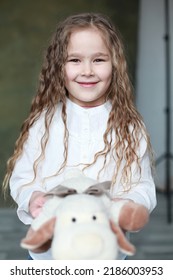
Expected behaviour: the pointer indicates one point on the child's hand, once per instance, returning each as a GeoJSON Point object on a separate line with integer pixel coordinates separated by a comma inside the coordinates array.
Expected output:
{"type": "Point", "coordinates": [36, 203]}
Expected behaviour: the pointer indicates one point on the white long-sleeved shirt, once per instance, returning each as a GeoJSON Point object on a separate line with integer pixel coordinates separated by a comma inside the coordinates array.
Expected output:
{"type": "Point", "coordinates": [86, 128]}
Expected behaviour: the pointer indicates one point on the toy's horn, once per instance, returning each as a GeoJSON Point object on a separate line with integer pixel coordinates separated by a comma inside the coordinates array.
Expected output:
{"type": "Point", "coordinates": [39, 241]}
{"type": "Point", "coordinates": [61, 191]}
{"type": "Point", "coordinates": [99, 189]}
{"type": "Point", "coordinates": [124, 245]}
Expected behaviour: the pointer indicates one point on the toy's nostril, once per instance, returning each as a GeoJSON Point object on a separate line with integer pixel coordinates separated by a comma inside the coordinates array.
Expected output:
{"type": "Point", "coordinates": [73, 220]}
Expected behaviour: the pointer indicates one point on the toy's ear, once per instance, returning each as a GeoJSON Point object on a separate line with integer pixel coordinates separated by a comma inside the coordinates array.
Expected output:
{"type": "Point", "coordinates": [133, 216]}
{"type": "Point", "coordinates": [124, 245]}
{"type": "Point", "coordinates": [39, 241]}
{"type": "Point", "coordinates": [99, 189]}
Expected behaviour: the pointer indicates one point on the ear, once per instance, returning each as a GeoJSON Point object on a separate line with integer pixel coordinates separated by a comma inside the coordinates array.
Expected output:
{"type": "Point", "coordinates": [124, 245]}
{"type": "Point", "coordinates": [99, 189]}
{"type": "Point", "coordinates": [40, 240]}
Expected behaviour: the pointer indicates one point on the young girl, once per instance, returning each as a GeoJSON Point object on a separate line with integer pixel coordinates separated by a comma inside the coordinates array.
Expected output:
{"type": "Point", "coordinates": [82, 116]}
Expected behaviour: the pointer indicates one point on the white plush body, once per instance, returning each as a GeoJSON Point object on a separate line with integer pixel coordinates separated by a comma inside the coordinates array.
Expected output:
{"type": "Point", "coordinates": [82, 228]}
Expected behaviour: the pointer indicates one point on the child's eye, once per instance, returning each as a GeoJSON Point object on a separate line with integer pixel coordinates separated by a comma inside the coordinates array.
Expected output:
{"type": "Point", "coordinates": [99, 60]}
{"type": "Point", "coordinates": [74, 60]}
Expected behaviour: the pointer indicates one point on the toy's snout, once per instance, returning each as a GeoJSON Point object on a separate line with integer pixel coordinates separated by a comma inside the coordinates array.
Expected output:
{"type": "Point", "coordinates": [95, 242]}
{"type": "Point", "coordinates": [86, 241]}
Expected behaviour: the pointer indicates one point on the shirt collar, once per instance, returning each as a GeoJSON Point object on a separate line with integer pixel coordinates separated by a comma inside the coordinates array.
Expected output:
{"type": "Point", "coordinates": [91, 122]}
{"type": "Point", "coordinates": [76, 109]}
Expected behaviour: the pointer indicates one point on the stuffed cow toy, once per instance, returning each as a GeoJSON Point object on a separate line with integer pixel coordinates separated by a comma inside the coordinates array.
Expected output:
{"type": "Point", "coordinates": [80, 221]}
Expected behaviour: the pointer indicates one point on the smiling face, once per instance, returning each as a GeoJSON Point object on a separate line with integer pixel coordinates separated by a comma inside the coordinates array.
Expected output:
{"type": "Point", "coordinates": [88, 69]}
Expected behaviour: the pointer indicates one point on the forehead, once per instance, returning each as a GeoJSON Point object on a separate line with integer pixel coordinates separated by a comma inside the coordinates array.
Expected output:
{"type": "Point", "coordinates": [87, 38]}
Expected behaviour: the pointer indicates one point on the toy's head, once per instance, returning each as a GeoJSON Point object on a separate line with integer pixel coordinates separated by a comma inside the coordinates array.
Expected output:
{"type": "Point", "coordinates": [77, 226]}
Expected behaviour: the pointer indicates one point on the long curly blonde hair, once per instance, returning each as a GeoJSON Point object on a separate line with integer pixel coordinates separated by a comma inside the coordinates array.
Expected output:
{"type": "Point", "coordinates": [124, 121]}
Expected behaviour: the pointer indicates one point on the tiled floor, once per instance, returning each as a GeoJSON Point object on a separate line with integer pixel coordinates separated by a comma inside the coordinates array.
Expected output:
{"type": "Point", "coordinates": [155, 241]}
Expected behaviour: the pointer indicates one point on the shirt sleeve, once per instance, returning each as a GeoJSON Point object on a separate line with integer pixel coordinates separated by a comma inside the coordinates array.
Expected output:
{"type": "Point", "coordinates": [21, 185]}
{"type": "Point", "coordinates": [142, 187]}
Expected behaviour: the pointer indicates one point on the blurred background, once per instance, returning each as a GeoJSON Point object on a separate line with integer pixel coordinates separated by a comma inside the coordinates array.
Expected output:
{"type": "Point", "coordinates": [25, 31]}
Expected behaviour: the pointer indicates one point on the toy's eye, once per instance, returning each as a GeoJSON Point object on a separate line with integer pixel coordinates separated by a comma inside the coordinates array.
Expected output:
{"type": "Point", "coordinates": [73, 220]}
{"type": "Point", "coordinates": [94, 218]}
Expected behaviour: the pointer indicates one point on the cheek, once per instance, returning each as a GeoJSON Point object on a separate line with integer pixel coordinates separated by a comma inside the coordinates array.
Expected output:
{"type": "Point", "coordinates": [106, 73]}
{"type": "Point", "coordinates": [70, 73]}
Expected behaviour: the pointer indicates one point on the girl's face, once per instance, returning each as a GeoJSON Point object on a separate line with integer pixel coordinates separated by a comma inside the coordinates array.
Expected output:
{"type": "Point", "coordinates": [88, 69]}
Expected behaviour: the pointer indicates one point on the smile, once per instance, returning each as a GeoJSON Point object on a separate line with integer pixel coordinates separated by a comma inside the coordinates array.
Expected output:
{"type": "Point", "coordinates": [87, 84]}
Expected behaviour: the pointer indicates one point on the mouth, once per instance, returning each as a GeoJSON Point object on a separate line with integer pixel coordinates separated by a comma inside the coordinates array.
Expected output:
{"type": "Point", "coordinates": [87, 84]}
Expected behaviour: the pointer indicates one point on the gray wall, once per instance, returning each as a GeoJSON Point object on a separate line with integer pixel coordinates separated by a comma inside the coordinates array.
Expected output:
{"type": "Point", "coordinates": [151, 77]}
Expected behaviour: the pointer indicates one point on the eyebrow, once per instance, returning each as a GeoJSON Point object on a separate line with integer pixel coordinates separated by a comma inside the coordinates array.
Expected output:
{"type": "Point", "coordinates": [95, 54]}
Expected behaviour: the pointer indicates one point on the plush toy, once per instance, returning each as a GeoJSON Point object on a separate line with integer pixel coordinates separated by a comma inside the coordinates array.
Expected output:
{"type": "Point", "coordinates": [81, 221]}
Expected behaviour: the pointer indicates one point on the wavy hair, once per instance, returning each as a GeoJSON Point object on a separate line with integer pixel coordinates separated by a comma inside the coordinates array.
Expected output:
{"type": "Point", "coordinates": [124, 120]}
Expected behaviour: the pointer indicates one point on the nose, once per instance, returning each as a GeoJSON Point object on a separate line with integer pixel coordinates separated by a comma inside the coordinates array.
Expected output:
{"type": "Point", "coordinates": [87, 69]}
